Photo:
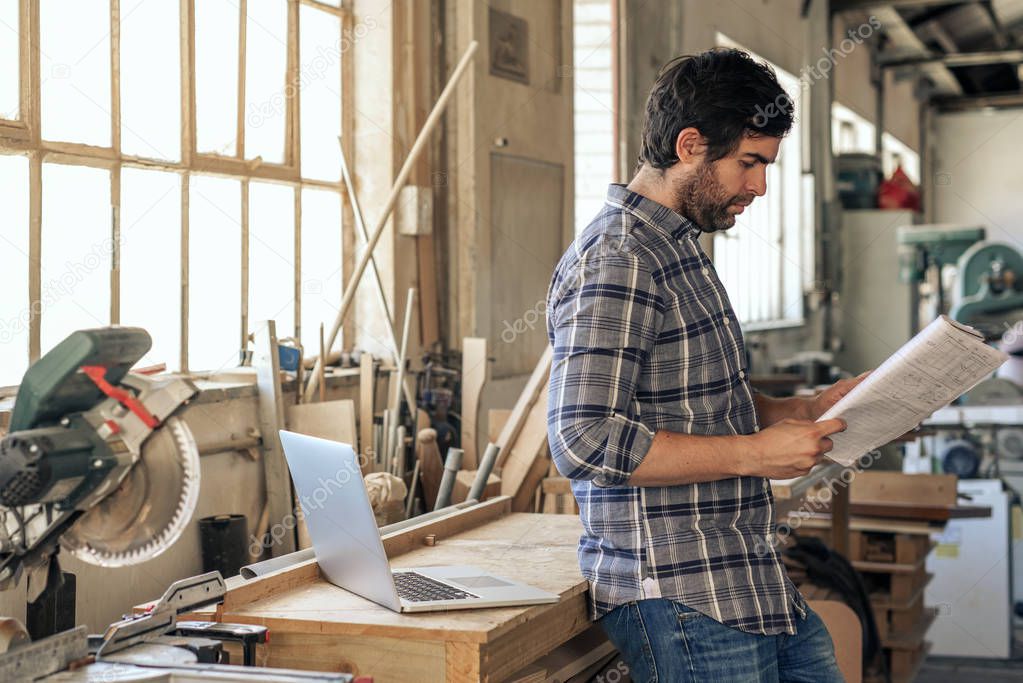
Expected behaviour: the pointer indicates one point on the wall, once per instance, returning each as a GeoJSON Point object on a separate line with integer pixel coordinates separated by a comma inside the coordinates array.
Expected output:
{"type": "Point", "coordinates": [774, 29]}
{"type": "Point", "coordinates": [976, 171]}
{"type": "Point", "coordinates": [509, 173]}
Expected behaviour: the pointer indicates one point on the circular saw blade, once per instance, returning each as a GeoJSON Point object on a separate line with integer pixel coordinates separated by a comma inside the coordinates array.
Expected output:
{"type": "Point", "coordinates": [146, 514]}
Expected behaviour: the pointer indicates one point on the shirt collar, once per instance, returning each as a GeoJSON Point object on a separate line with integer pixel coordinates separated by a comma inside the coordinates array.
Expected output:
{"type": "Point", "coordinates": [650, 212]}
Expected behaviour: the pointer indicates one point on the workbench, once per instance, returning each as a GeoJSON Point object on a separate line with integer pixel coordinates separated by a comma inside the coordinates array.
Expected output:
{"type": "Point", "coordinates": [315, 625]}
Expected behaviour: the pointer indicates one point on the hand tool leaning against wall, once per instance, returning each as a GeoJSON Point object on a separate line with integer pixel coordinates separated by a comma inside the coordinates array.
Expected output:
{"type": "Point", "coordinates": [652, 416]}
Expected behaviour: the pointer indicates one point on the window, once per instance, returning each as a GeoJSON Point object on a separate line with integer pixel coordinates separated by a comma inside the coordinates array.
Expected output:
{"type": "Point", "coordinates": [174, 178]}
{"type": "Point", "coordinates": [763, 260]}
{"type": "Point", "coordinates": [15, 305]}
{"type": "Point", "coordinates": [594, 107]}
{"type": "Point", "coordinates": [850, 132]}
{"type": "Point", "coordinates": [10, 87]}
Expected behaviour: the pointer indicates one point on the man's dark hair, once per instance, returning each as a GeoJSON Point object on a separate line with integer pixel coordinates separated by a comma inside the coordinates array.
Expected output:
{"type": "Point", "coordinates": [724, 94]}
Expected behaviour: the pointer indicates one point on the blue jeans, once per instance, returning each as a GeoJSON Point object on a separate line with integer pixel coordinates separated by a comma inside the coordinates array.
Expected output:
{"type": "Point", "coordinates": [663, 641]}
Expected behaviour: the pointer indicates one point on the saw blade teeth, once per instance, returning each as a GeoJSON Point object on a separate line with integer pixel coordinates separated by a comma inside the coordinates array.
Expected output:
{"type": "Point", "coordinates": [172, 528]}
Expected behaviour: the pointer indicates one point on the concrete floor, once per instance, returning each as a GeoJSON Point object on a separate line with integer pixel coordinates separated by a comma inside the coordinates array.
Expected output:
{"type": "Point", "coordinates": [963, 670]}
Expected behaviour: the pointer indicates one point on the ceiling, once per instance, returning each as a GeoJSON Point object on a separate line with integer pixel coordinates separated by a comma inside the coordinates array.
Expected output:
{"type": "Point", "coordinates": [978, 43]}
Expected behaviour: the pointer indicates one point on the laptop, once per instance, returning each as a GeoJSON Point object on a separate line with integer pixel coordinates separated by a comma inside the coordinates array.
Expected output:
{"type": "Point", "coordinates": [351, 555]}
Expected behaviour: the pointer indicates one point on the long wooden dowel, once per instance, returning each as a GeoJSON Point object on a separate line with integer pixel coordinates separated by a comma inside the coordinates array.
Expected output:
{"type": "Point", "coordinates": [360, 228]}
{"type": "Point", "coordinates": [420, 144]}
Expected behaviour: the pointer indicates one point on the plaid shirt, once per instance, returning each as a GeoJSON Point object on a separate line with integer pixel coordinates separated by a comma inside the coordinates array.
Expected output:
{"type": "Point", "coordinates": [645, 339]}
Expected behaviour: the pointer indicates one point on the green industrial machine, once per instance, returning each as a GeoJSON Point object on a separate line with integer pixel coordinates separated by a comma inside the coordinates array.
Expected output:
{"type": "Point", "coordinates": [94, 459]}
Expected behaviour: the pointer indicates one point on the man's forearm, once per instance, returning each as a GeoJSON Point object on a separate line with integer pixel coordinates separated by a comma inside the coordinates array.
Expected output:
{"type": "Point", "coordinates": [773, 410]}
{"type": "Point", "coordinates": [675, 459]}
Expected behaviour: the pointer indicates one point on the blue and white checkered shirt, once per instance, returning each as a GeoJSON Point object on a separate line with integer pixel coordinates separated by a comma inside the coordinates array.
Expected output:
{"type": "Point", "coordinates": [645, 339]}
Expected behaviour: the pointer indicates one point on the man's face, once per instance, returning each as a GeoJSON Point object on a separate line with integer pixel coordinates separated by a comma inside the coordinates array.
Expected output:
{"type": "Point", "coordinates": [714, 193]}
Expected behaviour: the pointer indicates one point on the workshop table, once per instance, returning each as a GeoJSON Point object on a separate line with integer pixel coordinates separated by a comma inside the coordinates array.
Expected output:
{"type": "Point", "coordinates": [318, 626]}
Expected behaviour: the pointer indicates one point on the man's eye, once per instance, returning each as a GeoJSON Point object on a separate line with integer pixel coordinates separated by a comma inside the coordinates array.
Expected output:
{"type": "Point", "coordinates": [747, 164]}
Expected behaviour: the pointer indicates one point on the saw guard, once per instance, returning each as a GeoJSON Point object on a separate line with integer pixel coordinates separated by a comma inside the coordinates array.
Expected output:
{"type": "Point", "coordinates": [146, 514]}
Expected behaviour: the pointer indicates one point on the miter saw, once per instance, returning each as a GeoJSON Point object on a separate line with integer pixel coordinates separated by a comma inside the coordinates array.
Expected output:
{"type": "Point", "coordinates": [95, 460]}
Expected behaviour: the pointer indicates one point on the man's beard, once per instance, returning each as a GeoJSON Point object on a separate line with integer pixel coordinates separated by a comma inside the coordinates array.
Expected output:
{"type": "Point", "coordinates": [703, 200]}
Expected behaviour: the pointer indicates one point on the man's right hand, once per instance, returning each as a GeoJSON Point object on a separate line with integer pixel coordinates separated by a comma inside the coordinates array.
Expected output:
{"type": "Point", "coordinates": [791, 448]}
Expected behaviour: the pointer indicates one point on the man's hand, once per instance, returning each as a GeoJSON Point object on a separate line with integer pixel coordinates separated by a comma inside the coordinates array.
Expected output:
{"type": "Point", "coordinates": [791, 448]}
{"type": "Point", "coordinates": [823, 401]}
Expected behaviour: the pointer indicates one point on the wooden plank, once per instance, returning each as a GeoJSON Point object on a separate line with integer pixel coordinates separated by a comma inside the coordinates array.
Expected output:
{"type": "Point", "coordinates": [334, 420]}
{"type": "Point", "coordinates": [386, 660]}
{"type": "Point", "coordinates": [242, 594]}
{"type": "Point", "coordinates": [536, 385]}
{"type": "Point", "coordinates": [877, 487]}
{"type": "Point", "coordinates": [463, 483]}
{"type": "Point", "coordinates": [915, 638]}
{"type": "Point", "coordinates": [271, 420]}
{"type": "Point", "coordinates": [475, 371]}
{"type": "Point", "coordinates": [527, 461]}
{"type": "Point", "coordinates": [496, 419]}
{"type": "Point", "coordinates": [533, 639]}
{"type": "Point", "coordinates": [367, 385]}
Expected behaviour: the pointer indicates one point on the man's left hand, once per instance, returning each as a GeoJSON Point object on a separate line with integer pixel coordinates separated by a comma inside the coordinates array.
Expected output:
{"type": "Point", "coordinates": [822, 402]}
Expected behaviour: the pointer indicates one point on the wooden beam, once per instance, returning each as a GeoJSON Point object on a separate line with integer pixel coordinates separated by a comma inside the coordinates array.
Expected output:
{"type": "Point", "coordinates": [271, 420]}
{"type": "Point", "coordinates": [475, 372]}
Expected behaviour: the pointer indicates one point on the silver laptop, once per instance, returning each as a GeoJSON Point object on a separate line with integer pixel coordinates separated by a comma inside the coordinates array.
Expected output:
{"type": "Point", "coordinates": [349, 550]}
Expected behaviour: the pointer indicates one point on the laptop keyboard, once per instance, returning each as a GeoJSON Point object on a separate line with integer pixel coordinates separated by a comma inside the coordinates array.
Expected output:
{"type": "Point", "coordinates": [418, 588]}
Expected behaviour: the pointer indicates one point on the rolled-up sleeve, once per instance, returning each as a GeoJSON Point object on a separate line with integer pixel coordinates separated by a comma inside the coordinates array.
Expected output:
{"type": "Point", "coordinates": [604, 316]}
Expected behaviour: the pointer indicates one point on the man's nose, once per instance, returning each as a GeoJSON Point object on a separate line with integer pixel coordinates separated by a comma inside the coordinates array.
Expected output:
{"type": "Point", "coordinates": [757, 183]}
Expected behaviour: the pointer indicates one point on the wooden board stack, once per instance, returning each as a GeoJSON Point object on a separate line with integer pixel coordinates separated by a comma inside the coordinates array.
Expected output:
{"type": "Point", "coordinates": [890, 553]}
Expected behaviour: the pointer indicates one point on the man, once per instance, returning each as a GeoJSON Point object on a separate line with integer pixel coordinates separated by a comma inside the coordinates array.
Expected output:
{"type": "Point", "coordinates": [651, 413]}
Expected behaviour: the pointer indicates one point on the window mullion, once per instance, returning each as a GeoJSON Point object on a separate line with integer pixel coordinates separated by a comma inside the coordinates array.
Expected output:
{"type": "Point", "coordinates": [185, 180]}
{"type": "Point", "coordinates": [35, 280]}
{"type": "Point", "coordinates": [293, 104]}
{"type": "Point", "coordinates": [240, 131]}
{"type": "Point", "coordinates": [245, 263]}
{"type": "Point", "coordinates": [187, 34]}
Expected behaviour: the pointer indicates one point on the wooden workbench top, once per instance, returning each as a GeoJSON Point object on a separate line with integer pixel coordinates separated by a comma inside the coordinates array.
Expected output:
{"type": "Point", "coordinates": [533, 548]}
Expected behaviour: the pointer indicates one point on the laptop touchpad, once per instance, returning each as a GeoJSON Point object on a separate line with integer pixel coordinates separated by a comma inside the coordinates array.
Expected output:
{"type": "Point", "coordinates": [479, 581]}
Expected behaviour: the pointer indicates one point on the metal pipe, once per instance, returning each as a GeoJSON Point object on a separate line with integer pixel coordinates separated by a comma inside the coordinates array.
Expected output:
{"type": "Point", "coordinates": [447, 483]}
{"type": "Point", "coordinates": [484, 470]}
{"type": "Point", "coordinates": [417, 148]}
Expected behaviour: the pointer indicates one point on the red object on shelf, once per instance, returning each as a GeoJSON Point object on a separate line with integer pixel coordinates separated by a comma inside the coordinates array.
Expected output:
{"type": "Point", "coordinates": [898, 192]}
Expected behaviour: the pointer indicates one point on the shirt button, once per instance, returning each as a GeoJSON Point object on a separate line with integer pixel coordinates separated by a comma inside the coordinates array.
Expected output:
{"type": "Point", "coordinates": [757, 428]}
{"type": "Point", "coordinates": [705, 271]}
{"type": "Point", "coordinates": [742, 374]}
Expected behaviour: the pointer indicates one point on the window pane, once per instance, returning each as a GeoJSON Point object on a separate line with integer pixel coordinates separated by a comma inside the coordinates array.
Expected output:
{"type": "Point", "coordinates": [214, 272]}
{"type": "Point", "coordinates": [75, 70]}
{"type": "Point", "coordinates": [216, 76]}
{"type": "Point", "coordinates": [266, 58]}
{"type": "Point", "coordinates": [150, 79]}
{"type": "Point", "coordinates": [9, 61]}
{"type": "Point", "coordinates": [15, 312]}
{"type": "Point", "coordinates": [272, 257]}
{"type": "Point", "coordinates": [321, 263]}
{"type": "Point", "coordinates": [151, 260]}
{"type": "Point", "coordinates": [320, 76]}
{"type": "Point", "coordinates": [76, 246]}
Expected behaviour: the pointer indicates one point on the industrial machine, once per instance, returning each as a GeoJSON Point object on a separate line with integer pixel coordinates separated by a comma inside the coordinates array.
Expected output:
{"type": "Point", "coordinates": [95, 460]}
{"type": "Point", "coordinates": [98, 462]}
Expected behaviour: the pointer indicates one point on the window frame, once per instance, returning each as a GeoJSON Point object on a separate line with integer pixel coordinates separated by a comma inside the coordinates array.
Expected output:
{"type": "Point", "coordinates": [23, 137]}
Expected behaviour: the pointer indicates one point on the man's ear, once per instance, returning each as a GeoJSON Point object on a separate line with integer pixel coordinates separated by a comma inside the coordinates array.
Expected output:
{"type": "Point", "coordinates": [690, 145]}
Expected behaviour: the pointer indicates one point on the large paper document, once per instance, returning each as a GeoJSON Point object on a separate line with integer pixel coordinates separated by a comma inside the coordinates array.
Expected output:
{"type": "Point", "coordinates": [945, 360]}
